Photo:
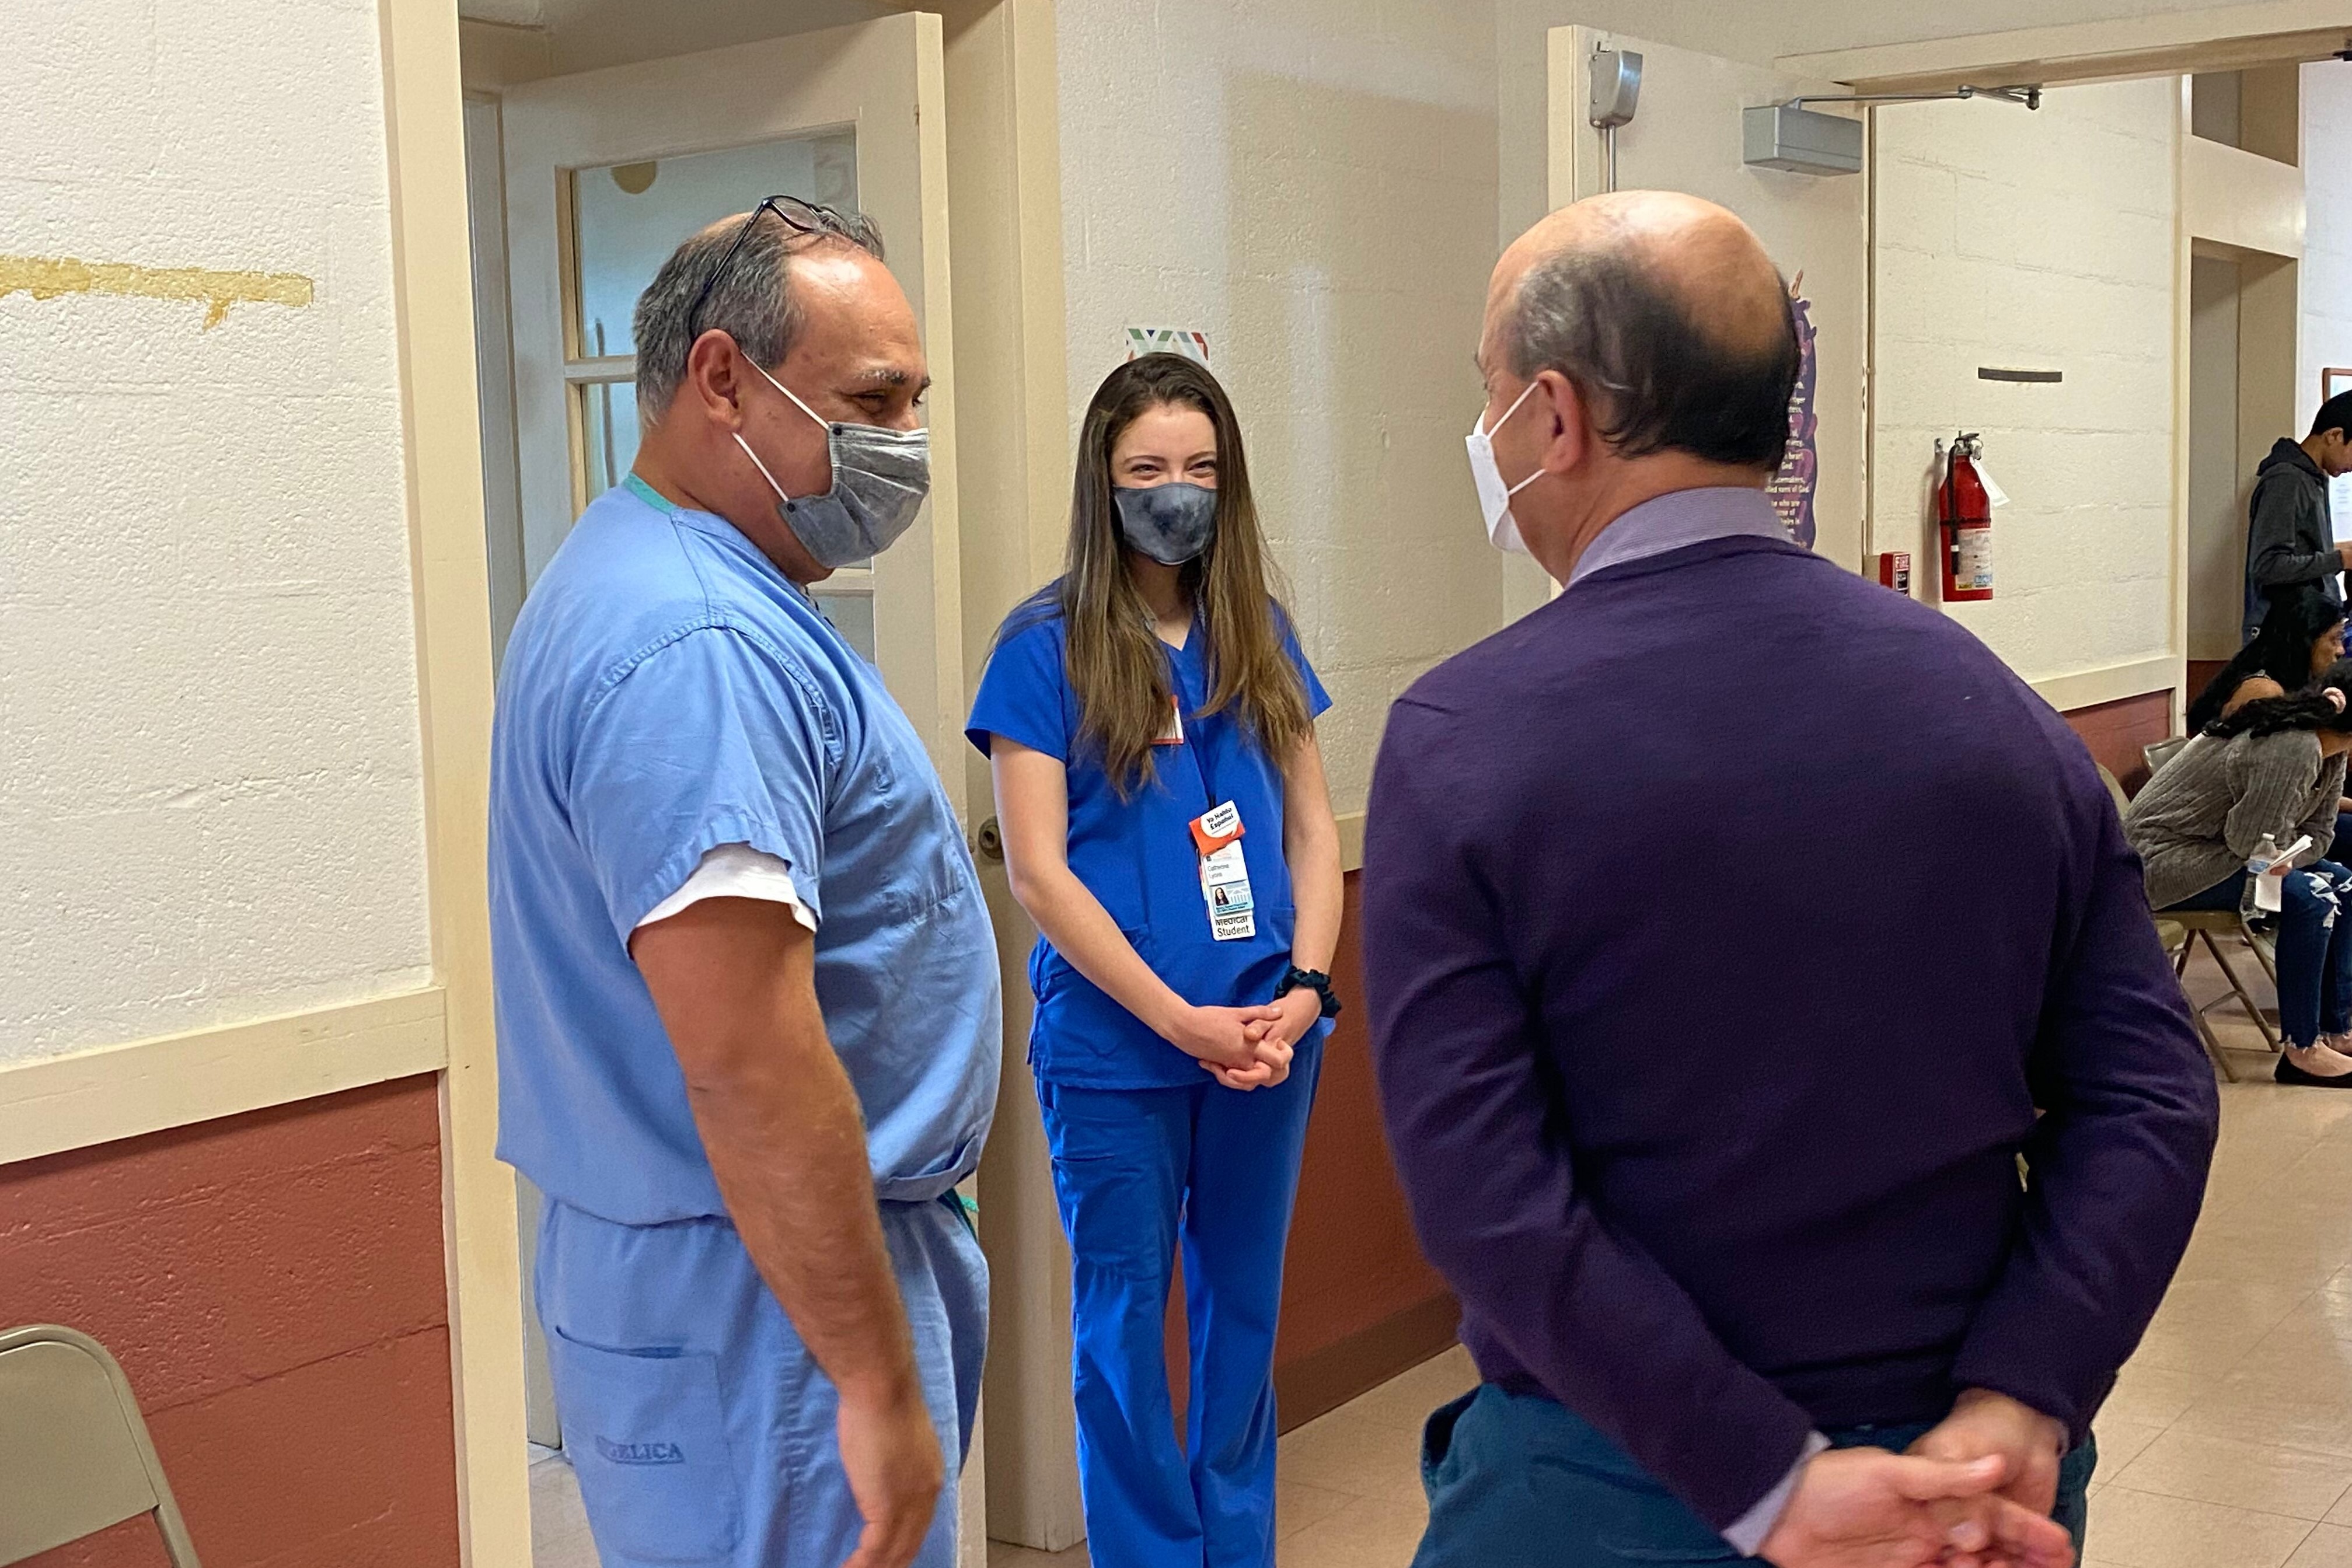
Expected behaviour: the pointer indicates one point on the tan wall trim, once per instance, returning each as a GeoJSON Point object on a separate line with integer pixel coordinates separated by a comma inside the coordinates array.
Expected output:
{"type": "Point", "coordinates": [1003, 169]}
{"type": "Point", "coordinates": [146, 1086]}
{"type": "Point", "coordinates": [2240, 199]}
{"type": "Point", "coordinates": [2111, 683]}
{"type": "Point", "coordinates": [449, 567]}
{"type": "Point", "coordinates": [2227, 37]}
{"type": "Point", "coordinates": [1351, 842]}
{"type": "Point", "coordinates": [942, 725]}
{"type": "Point", "coordinates": [1012, 349]}
{"type": "Point", "coordinates": [2182, 293]}
{"type": "Point", "coordinates": [499, 55]}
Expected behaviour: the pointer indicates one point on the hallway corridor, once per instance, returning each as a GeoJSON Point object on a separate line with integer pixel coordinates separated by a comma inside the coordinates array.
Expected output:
{"type": "Point", "coordinates": [2228, 1443]}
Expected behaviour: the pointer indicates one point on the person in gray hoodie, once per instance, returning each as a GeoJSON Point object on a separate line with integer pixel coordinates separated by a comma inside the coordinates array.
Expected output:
{"type": "Point", "coordinates": [2289, 538]}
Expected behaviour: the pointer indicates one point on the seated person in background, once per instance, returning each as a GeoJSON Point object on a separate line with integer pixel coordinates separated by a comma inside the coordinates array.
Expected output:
{"type": "Point", "coordinates": [2301, 635]}
{"type": "Point", "coordinates": [2274, 766]}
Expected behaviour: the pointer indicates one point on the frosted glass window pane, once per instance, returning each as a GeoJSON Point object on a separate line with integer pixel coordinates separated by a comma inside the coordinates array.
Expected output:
{"type": "Point", "coordinates": [628, 217]}
{"type": "Point", "coordinates": [852, 615]}
{"type": "Point", "coordinates": [608, 424]}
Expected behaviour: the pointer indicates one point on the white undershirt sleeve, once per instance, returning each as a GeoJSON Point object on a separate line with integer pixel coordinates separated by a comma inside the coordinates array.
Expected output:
{"type": "Point", "coordinates": [735, 871]}
{"type": "Point", "coordinates": [1748, 1531]}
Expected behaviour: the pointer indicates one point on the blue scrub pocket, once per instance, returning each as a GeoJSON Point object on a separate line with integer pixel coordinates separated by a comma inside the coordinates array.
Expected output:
{"type": "Point", "coordinates": [646, 1433]}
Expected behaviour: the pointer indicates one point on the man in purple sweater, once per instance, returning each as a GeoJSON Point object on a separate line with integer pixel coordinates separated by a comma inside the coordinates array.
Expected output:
{"type": "Point", "coordinates": [1719, 1150]}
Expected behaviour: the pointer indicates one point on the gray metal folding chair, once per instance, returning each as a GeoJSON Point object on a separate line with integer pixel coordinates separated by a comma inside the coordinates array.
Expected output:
{"type": "Point", "coordinates": [2205, 926]}
{"type": "Point", "coordinates": [2174, 938]}
{"type": "Point", "coordinates": [74, 1458]}
{"type": "Point", "coordinates": [2157, 752]}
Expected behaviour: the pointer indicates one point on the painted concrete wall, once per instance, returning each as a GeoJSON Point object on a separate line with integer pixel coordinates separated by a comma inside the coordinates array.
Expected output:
{"type": "Point", "coordinates": [1759, 31]}
{"type": "Point", "coordinates": [272, 1284]}
{"type": "Point", "coordinates": [209, 755]}
{"type": "Point", "coordinates": [2036, 241]}
{"type": "Point", "coordinates": [2326, 277]}
{"type": "Point", "coordinates": [1311, 183]}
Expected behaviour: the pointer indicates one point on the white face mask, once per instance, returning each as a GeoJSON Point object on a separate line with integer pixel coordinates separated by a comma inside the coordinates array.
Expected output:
{"type": "Point", "coordinates": [1494, 495]}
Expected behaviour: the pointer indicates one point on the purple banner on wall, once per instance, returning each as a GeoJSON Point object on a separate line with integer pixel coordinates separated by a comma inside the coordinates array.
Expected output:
{"type": "Point", "coordinates": [1792, 488]}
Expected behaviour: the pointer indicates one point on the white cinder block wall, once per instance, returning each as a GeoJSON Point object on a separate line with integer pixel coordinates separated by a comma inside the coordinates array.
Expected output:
{"type": "Point", "coordinates": [2036, 241]}
{"type": "Point", "coordinates": [210, 785]}
{"type": "Point", "coordinates": [2326, 280]}
{"type": "Point", "coordinates": [1756, 31]}
{"type": "Point", "coordinates": [1311, 183]}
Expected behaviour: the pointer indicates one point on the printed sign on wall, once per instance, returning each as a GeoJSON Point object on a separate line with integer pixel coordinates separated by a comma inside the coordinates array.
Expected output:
{"type": "Point", "coordinates": [1792, 488]}
{"type": "Point", "coordinates": [2337, 379]}
{"type": "Point", "coordinates": [1193, 346]}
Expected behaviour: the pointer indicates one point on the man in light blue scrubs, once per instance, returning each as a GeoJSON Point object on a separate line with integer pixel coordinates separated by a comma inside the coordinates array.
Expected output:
{"type": "Point", "coordinates": [748, 1004]}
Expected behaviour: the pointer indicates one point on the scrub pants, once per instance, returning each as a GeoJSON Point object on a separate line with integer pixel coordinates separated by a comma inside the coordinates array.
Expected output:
{"type": "Point", "coordinates": [1132, 1169]}
{"type": "Point", "coordinates": [2313, 946]}
{"type": "Point", "coordinates": [701, 1428]}
{"type": "Point", "coordinates": [1519, 1482]}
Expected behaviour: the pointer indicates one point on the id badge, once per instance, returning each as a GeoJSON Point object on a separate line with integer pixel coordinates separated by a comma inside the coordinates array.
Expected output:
{"type": "Point", "coordinates": [1225, 874]}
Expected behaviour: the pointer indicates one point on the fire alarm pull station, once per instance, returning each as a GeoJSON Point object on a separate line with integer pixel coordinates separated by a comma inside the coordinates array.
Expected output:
{"type": "Point", "coordinates": [1895, 571]}
{"type": "Point", "coordinates": [1616, 94]}
{"type": "Point", "coordinates": [1964, 503]}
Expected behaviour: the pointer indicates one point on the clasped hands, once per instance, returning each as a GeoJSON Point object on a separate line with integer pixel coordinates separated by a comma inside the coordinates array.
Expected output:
{"type": "Point", "coordinates": [1246, 1047]}
{"type": "Point", "coordinates": [1974, 1492]}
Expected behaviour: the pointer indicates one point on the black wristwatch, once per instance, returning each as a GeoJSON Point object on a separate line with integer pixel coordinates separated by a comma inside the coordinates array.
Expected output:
{"type": "Point", "coordinates": [1314, 980]}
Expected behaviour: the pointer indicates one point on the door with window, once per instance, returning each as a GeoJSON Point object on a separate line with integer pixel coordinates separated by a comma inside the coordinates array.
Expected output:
{"type": "Point", "coordinates": [608, 171]}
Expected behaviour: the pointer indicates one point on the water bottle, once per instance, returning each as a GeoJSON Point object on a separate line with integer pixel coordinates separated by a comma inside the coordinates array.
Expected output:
{"type": "Point", "coordinates": [2251, 906]}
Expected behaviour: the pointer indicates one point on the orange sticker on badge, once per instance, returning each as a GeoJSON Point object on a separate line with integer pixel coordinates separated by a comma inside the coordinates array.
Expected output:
{"type": "Point", "coordinates": [1213, 830]}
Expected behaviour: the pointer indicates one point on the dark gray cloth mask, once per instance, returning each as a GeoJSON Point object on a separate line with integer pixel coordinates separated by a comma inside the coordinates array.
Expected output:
{"type": "Point", "coordinates": [1171, 523]}
{"type": "Point", "coordinates": [879, 479]}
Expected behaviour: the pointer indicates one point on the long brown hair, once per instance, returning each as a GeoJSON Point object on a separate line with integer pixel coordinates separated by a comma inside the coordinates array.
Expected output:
{"type": "Point", "coordinates": [1115, 661]}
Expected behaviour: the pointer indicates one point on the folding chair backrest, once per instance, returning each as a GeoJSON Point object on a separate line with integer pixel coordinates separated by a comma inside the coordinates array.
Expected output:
{"type": "Point", "coordinates": [2161, 752]}
{"type": "Point", "coordinates": [2114, 789]}
{"type": "Point", "coordinates": [74, 1453]}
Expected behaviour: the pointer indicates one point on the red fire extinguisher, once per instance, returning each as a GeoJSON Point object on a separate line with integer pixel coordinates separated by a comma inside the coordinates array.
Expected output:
{"type": "Point", "coordinates": [1964, 518]}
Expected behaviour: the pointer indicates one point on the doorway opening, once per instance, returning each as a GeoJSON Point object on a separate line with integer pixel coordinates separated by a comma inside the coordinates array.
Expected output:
{"type": "Point", "coordinates": [2244, 318]}
{"type": "Point", "coordinates": [2241, 398]}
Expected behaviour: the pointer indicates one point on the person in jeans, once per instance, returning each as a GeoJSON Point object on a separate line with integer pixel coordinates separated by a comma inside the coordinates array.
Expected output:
{"type": "Point", "coordinates": [2274, 766]}
{"type": "Point", "coordinates": [1721, 1162]}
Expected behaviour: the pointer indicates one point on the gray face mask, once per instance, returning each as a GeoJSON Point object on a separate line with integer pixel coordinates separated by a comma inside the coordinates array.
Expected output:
{"type": "Point", "coordinates": [879, 479]}
{"type": "Point", "coordinates": [1171, 523]}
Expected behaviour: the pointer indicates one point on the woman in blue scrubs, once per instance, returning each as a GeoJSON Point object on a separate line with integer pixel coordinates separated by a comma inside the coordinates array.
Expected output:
{"type": "Point", "coordinates": [1149, 720]}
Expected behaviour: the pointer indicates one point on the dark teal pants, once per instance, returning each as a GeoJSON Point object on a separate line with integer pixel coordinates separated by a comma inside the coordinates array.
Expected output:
{"type": "Point", "coordinates": [1517, 1481]}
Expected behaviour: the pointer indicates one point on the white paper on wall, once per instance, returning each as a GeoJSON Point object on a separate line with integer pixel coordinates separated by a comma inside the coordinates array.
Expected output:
{"type": "Point", "coordinates": [1792, 488]}
{"type": "Point", "coordinates": [1193, 346]}
{"type": "Point", "coordinates": [2332, 380]}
